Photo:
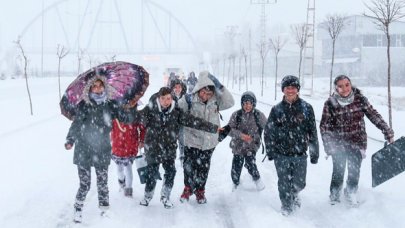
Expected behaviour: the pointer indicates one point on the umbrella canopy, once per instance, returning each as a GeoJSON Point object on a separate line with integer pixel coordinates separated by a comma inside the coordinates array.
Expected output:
{"type": "Point", "coordinates": [129, 82]}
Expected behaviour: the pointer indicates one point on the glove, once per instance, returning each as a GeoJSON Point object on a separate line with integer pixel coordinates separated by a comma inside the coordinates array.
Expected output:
{"type": "Point", "coordinates": [314, 160]}
{"type": "Point", "coordinates": [363, 154]}
{"type": "Point", "coordinates": [216, 82]}
{"type": "Point", "coordinates": [68, 146]}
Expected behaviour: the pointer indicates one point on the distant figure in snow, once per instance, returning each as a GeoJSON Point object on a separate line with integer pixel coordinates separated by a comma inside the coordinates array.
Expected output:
{"type": "Point", "coordinates": [191, 81]}
{"type": "Point", "coordinates": [344, 135]}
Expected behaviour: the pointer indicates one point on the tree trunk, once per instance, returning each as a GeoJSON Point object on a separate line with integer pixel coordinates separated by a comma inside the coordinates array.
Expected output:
{"type": "Point", "coordinates": [246, 73]}
{"type": "Point", "coordinates": [389, 78]}
{"type": "Point", "coordinates": [26, 84]}
{"type": "Point", "coordinates": [223, 77]}
{"type": "Point", "coordinates": [262, 76]}
{"type": "Point", "coordinates": [275, 81]}
{"type": "Point", "coordinates": [60, 96]}
{"type": "Point", "coordinates": [229, 73]}
{"type": "Point", "coordinates": [299, 66]}
{"type": "Point", "coordinates": [331, 67]}
{"type": "Point", "coordinates": [240, 71]}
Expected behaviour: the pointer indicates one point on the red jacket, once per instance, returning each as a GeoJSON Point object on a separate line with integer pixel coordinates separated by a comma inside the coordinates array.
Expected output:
{"type": "Point", "coordinates": [125, 141]}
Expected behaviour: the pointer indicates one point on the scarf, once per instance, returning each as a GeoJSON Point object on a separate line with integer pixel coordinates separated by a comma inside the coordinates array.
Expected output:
{"type": "Point", "coordinates": [343, 101]}
{"type": "Point", "coordinates": [99, 98]}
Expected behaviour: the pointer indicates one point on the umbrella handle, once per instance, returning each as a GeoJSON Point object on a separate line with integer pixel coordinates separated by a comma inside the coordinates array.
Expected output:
{"type": "Point", "coordinates": [119, 126]}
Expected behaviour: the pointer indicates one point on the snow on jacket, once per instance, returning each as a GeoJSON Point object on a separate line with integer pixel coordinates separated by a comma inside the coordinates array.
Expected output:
{"type": "Point", "coordinates": [91, 127]}
{"type": "Point", "coordinates": [291, 129]}
{"type": "Point", "coordinates": [125, 138]}
{"type": "Point", "coordinates": [344, 127]}
{"type": "Point", "coordinates": [208, 111]}
{"type": "Point", "coordinates": [247, 126]}
{"type": "Point", "coordinates": [162, 129]}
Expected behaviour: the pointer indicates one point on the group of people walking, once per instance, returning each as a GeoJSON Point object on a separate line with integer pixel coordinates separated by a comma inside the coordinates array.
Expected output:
{"type": "Point", "coordinates": [191, 122]}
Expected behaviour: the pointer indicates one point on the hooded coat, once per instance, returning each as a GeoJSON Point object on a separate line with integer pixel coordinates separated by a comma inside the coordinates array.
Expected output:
{"type": "Point", "coordinates": [91, 127]}
{"type": "Point", "coordinates": [208, 111]}
{"type": "Point", "coordinates": [162, 129]}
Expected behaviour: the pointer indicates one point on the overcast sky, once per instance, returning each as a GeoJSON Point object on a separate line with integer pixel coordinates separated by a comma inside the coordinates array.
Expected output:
{"type": "Point", "coordinates": [201, 17]}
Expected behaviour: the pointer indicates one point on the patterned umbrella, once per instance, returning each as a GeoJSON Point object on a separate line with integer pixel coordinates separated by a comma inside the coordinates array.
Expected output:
{"type": "Point", "coordinates": [130, 81]}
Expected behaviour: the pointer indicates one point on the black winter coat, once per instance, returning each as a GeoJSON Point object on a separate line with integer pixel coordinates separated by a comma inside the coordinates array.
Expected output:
{"type": "Point", "coordinates": [162, 129]}
{"type": "Point", "coordinates": [90, 132]}
{"type": "Point", "coordinates": [290, 129]}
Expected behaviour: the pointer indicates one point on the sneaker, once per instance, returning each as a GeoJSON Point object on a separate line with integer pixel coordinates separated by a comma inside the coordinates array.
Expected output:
{"type": "Point", "coordinates": [334, 199]}
{"type": "Point", "coordinates": [104, 206]}
{"type": "Point", "coordinates": [166, 202]}
{"type": "Point", "coordinates": [185, 196]}
{"type": "Point", "coordinates": [128, 192]}
{"type": "Point", "coordinates": [200, 196]}
{"type": "Point", "coordinates": [351, 198]}
{"type": "Point", "coordinates": [77, 215]}
{"type": "Point", "coordinates": [145, 201]}
{"type": "Point", "coordinates": [259, 185]}
{"type": "Point", "coordinates": [121, 183]}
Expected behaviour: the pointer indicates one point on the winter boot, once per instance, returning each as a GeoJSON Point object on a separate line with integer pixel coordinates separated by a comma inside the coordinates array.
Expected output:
{"type": "Point", "coordinates": [146, 199]}
{"type": "Point", "coordinates": [128, 192]}
{"type": "Point", "coordinates": [121, 183]}
{"type": "Point", "coordinates": [259, 184]}
{"type": "Point", "coordinates": [296, 201]}
{"type": "Point", "coordinates": [185, 196]}
{"type": "Point", "coordinates": [286, 211]}
{"type": "Point", "coordinates": [77, 215]}
{"type": "Point", "coordinates": [200, 196]}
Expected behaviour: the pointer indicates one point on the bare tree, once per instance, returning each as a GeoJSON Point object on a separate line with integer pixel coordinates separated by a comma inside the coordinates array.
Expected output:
{"type": "Point", "coordinates": [264, 48]}
{"type": "Point", "coordinates": [61, 52]}
{"type": "Point", "coordinates": [334, 24]}
{"type": "Point", "coordinates": [18, 42]}
{"type": "Point", "coordinates": [245, 55]}
{"type": "Point", "coordinates": [277, 44]}
{"type": "Point", "coordinates": [384, 12]}
{"type": "Point", "coordinates": [299, 32]}
{"type": "Point", "coordinates": [80, 54]}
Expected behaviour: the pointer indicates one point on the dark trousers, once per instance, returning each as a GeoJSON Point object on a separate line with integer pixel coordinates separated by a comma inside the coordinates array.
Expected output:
{"type": "Point", "coordinates": [196, 166]}
{"type": "Point", "coordinates": [85, 183]}
{"type": "Point", "coordinates": [168, 177]}
{"type": "Point", "coordinates": [291, 172]}
{"type": "Point", "coordinates": [250, 163]}
{"type": "Point", "coordinates": [353, 160]}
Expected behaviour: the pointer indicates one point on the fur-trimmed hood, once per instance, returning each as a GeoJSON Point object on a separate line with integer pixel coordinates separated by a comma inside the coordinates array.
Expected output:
{"type": "Point", "coordinates": [107, 88]}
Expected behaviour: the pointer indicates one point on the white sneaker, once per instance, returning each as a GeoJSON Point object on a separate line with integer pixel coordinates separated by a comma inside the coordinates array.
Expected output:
{"type": "Point", "coordinates": [145, 201]}
{"type": "Point", "coordinates": [259, 185]}
{"type": "Point", "coordinates": [166, 202]}
{"type": "Point", "coordinates": [77, 216]}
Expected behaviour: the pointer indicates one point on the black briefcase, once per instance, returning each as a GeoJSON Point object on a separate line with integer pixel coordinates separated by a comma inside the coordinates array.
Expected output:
{"type": "Point", "coordinates": [388, 162]}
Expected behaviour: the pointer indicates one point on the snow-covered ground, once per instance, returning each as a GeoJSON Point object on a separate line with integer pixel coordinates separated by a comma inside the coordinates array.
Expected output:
{"type": "Point", "coordinates": [40, 180]}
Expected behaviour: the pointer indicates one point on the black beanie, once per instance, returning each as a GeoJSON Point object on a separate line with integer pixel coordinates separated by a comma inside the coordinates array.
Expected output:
{"type": "Point", "coordinates": [290, 80]}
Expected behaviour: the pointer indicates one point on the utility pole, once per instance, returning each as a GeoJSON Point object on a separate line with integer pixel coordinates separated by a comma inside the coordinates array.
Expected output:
{"type": "Point", "coordinates": [309, 50]}
{"type": "Point", "coordinates": [263, 16]}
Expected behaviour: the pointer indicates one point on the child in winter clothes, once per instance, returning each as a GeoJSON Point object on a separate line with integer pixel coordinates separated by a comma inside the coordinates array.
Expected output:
{"type": "Point", "coordinates": [90, 133]}
{"type": "Point", "coordinates": [125, 141]}
{"type": "Point", "coordinates": [344, 135]}
{"type": "Point", "coordinates": [178, 91]}
{"type": "Point", "coordinates": [162, 121]}
{"type": "Point", "coordinates": [246, 128]}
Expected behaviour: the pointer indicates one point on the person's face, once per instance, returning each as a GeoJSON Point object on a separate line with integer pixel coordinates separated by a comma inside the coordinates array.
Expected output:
{"type": "Point", "coordinates": [166, 100]}
{"type": "Point", "coordinates": [177, 89]}
{"type": "Point", "coordinates": [290, 93]}
{"type": "Point", "coordinates": [344, 87]}
{"type": "Point", "coordinates": [97, 87]}
{"type": "Point", "coordinates": [247, 106]}
{"type": "Point", "coordinates": [205, 95]}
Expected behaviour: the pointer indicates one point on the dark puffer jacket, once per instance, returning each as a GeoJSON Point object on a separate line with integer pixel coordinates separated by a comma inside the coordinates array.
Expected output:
{"type": "Point", "coordinates": [291, 129]}
{"type": "Point", "coordinates": [343, 127]}
{"type": "Point", "coordinates": [162, 129]}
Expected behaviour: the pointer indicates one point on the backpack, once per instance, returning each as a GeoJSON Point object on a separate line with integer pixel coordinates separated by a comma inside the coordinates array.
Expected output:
{"type": "Point", "coordinates": [227, 128]}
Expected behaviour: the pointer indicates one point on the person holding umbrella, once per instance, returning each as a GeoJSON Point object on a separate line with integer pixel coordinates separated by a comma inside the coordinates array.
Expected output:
{"type": "Point", "coordinates": [90, 133]}
{"type": "Point", "coordinates": [344, 135]}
